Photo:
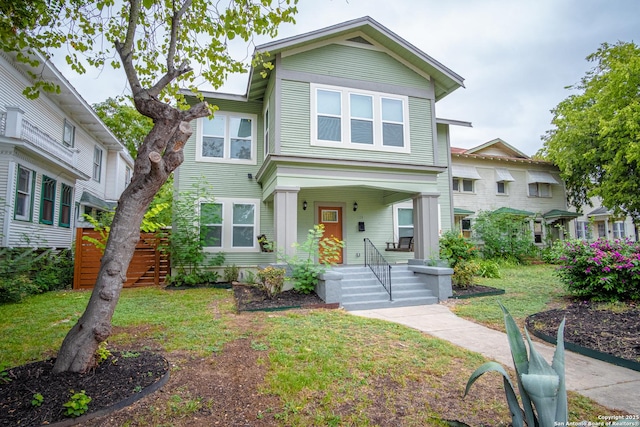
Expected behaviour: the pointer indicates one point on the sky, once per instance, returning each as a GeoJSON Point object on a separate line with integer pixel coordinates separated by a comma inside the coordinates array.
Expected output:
{"type": "Point", "coordinates": [517, 56]}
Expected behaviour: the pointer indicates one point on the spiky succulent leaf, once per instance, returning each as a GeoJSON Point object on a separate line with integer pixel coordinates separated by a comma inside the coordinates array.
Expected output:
{"type": "Point", "coordinates": [543, 391]}
{"type": "Point", "coordinates": [512, 400]}
{"type": "Point", "coordinates": [520, 361]}
{"type": "Point", "coordinates": [562, 411]}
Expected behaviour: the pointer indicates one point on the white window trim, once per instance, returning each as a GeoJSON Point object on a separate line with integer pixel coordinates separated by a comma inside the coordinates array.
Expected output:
{"type": "Point", "coordinates": [72, 130]}
{"type": "Point", "coordinates": [617, 228]}
{"type": "Point", "coordinates": [227, 226]}
{"type": "Point", "coordinates": [266, 130]}
{"type": "Point", "coordinates": [506, 188]}
{"type": "Point", "coordinates": [227, 141]}
{"type": "Point", "coordinates": [30, 194]}
{"type": "Point", "coordinates": [396, 217]}
{"type": "Point", "coordinates": [538, 196]}
{"type": "Point", "coordinates": [99, 164]}
{"type": "Point", "coordinates": [345, 120]}
{"type": "Point", "coordinates": [461, 185]}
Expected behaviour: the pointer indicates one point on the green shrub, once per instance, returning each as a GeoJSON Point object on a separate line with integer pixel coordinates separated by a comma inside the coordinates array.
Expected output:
{"type": "Point", "coordinates": [271, 280]}
{"type": "Point", "coordinates": [455, 248]}
{"type": "Point", "coordinates": [77, 404]}
{"type": "Point", "coordinates": [54, 271]}
{"type": "Point", "coordinates": [16, 288]}
{"type": "Point", "coordinates": [201, 278]}
{"type": "Point", "coordinates": [503, 235]}
{"type": "Point", "coordinates": [304, 269]}
{"type": "Point", "coordinates": [601, 271]}
{"type": "Point", "coordinates": [488, 268]}
{"type": "Point", "coordinates": [231, 273]}
{"type": "Point", "coordinates": [463, 273]}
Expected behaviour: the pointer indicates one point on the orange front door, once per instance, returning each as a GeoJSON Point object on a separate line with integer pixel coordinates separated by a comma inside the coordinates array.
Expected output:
{"type": "Point", "coordinates": [331, 218]}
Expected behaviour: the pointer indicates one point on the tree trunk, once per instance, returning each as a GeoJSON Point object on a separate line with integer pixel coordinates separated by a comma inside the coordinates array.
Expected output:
{"type": "Point", "coordinates": [77, 353]}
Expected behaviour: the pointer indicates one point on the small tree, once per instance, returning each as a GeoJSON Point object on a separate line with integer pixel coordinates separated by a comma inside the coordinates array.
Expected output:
{"type": "Point", "coordinates": [193, 210]}
{"type": "Point", "coordinates": [156, 43]}
{"type": "Point", "coordinates": [503, 235]}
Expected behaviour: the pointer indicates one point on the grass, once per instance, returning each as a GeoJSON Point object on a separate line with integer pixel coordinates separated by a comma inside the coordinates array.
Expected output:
{"type": "Point", "coordinates": [326, 367]}
{"type": "Point", "coordinates": [528, 290]}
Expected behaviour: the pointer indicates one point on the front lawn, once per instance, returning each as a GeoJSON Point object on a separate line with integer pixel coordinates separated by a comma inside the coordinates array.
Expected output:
{"type": "Point", "coordinates": [294, 368]}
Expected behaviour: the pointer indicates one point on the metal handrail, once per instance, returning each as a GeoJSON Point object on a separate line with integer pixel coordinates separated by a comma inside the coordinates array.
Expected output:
{"type": "Point", "coordinates": [378, 265]}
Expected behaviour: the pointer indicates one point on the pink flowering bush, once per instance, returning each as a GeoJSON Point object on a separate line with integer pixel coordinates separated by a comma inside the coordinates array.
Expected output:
{"type": "Point", "coordinates": [602, 270]}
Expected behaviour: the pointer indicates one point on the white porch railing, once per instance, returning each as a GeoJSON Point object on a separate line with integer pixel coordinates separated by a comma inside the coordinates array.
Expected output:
{"type": "Point", "coordinates": [37, 138]}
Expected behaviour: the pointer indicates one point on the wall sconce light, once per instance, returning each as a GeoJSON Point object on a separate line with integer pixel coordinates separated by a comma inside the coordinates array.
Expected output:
{"type": "Point", "coordinates": [304, 205]}
{"type": "Point", "coordinates": [249, 176]}
{"type": "Point", "coordinates": [355, 206]}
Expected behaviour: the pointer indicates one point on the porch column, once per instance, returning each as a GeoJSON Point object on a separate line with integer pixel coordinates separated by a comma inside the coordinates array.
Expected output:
{"type": "Point", "coordinates": [285, 212]}
{"type": "Point", "coordinates": [425, 226]}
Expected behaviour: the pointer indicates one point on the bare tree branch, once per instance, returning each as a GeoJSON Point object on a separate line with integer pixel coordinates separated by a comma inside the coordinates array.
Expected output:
{"type": "Point", "coordinates": [125, 49]}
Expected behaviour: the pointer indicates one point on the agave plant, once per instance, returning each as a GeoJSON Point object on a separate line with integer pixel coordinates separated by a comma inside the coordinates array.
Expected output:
{"type": "Point", "coordinates": [541, 385]}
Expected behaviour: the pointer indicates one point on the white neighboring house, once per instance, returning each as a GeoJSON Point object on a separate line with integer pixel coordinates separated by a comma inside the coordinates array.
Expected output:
{"type": "Point", "coordinates": [58, 160]}
{"type": "Point", "coordinates": [496, 176]}
{"type": "Point", "coordinates": [598, 222]}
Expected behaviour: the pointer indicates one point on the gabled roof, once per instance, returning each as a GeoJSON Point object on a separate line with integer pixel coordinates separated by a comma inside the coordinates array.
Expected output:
{"type": "Point", "coordinates": [500, 146]}
{"type": "Point", "coordinates": [496, 149]}
{"type": "Point", "coordinates": [446, 81]}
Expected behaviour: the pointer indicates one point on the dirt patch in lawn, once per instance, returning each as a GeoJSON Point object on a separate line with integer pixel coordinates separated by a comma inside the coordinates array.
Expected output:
{"type": "Point", "coordinates": [252, 298]}
{"type": "Point", "coordinates": [226, 387]}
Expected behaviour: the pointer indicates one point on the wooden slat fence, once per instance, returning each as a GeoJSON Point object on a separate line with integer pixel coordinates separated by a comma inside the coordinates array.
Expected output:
{"type": "Point", "coordinates": [149, 265]}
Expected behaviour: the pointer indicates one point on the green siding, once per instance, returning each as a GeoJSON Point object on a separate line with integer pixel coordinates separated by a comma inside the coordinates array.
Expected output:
{"type": "Point", "coordinates": [444, 186]}
{"type": "Point", "coordinates": [354, 63]}
{"type": "Point", "coordinates": [295, 130]}
{"type": "Point", "coordinates": [378, 219]}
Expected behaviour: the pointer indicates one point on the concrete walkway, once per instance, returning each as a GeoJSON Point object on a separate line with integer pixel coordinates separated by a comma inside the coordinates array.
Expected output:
{"type": "Point", "coordinates": [607, 384]}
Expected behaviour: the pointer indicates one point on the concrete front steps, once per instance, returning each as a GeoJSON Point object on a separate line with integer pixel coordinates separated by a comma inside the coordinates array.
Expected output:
{"type": "Point", "coordinates": [362, 291]}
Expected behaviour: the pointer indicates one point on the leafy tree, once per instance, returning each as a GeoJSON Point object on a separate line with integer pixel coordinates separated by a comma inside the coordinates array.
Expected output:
{"type": "Point", "coordinates": [503, 235]}
{"type": "Point", "coordinates": [157, 43]}
{"type": "Point", "coordinates": [596, 136]}
{"type": "Point", "coordinates": [126, 123]}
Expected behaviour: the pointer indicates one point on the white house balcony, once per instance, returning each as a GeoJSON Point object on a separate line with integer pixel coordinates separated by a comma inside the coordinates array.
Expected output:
{"type": "Point", "coordinates": [30, 137]}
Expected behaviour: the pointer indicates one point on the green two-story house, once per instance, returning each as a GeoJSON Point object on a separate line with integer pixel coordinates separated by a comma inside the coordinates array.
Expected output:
{"type": "Point", "coordinates": [342, 131]}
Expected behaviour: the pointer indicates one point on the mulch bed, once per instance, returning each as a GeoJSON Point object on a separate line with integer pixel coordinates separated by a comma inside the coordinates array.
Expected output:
{"type": "Point", "coordinates": [115, 379]}
{"type": "Point", "coordinates": [471, 291]}
{"type": "Point", "coordinates": [252, 298]}
{"type": "Point", "coordinates": [591, 326]}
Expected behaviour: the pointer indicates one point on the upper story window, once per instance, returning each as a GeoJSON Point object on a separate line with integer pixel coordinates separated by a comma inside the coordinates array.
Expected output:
{"type": "Point", "coordinates": [24, 194]}
{"type": "Point", "coordinates": [539, 189]}
{"type": "Point", "coordinates": [230, 224]}
{"type": "Point", "coordinates": [540, 183]}
{"type": "Point", "coordinates": [503, 177]}
{"type": "Point", "coordinates": [47, 200]}
{"type": "Point", "coordinates": [66, 199]}
{"type": "Point", "coordinates": [97, 163]}
{"type": "Point", "coordinates": [348, 118]}
{"type": "Point", "coordinates": [227, 137]}
{"type": "Point", "coordinates": [69, 134]}
{"type": "Point", "coordinates": [462, 185]}
{"type": "Point", "coordinates": [463, 178]}
{"type": "Point", "coordinates": [127, 175]}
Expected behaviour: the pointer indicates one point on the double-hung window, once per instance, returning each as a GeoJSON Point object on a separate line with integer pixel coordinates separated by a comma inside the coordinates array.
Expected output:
{"type": "Point", "coordinates": [462, 185]}
{"type": "Point", "coordinates": [539, 189]}
{"type": "Point", "coordinates": [359, 119]}
{"type": "Point", "coordinates": [583, 231]}
{"type": "Point", "coordinates": [68, 134]}
{"type": "Point", "coordinates": [47, 200]}
{"type": "Point", "coordinates": [24, 194]}
{"type": "Point", "coordinates": [405, 222]}
{"type": "Point", "coordinates": [66, 198]}
{"type": "Point", "coordinates": [227, 138]}
{"type": "Point", "coordinates": [97, 163]}
{"type": "Point", "coordinates": [230, 224]}
{"type": "Point", "coordinates": [618, 230]}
